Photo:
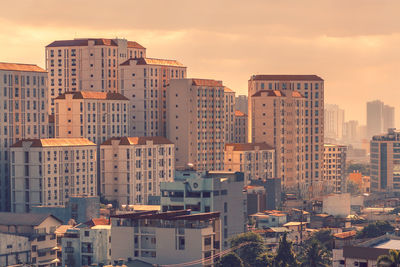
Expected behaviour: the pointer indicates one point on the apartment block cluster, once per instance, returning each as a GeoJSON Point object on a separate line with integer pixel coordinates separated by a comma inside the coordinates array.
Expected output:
{"type": "Point", "coordinates": [105, 121]}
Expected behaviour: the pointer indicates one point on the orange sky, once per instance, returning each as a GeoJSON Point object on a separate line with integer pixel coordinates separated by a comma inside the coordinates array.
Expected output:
{"type": "Point", "coordinates": [352, 44]}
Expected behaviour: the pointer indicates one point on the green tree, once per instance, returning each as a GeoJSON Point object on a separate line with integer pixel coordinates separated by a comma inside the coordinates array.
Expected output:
{"type": "Point", "coordinates": [230, 260]}
{"type": "Point", "coordinates": [375, 229]}
{"type": "Point", "coordinates": [265, 260]}
{"type": "Point", "coordinates": [353, 188]}
{"type": "Point", "coordinates": [285, 256]}
{"type": "Point", "coordinates": [315, 255]}
{"type": "Point", "coordinates": [391, 260]}
{"type": "Point", "coordinates": [251, 251]}
{"type": "Point", "coordinates": [363, 168]}
{"type": "Point", "coordinates": [324, 237]}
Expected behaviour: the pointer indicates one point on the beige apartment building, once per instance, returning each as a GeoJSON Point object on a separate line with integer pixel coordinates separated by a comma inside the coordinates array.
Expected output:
{"type": "Point", "coordinates": [278, 120]}
{"type": "Point", "coordinates": [144, 81]}
{"type": "Point", "coordinates": [334, 168]}
{"type": "Point", "coordinates": [48, 171]}
{"type": "Point", "coordinates": [241, 127]}
{"type": "Point", "coordinates": [133, 167]}
{"type": "Point", "coordinates": [196, 120]}
{"type": "Point", "coordinates": [96, 116]}
{"type": "Point", "coordinates": [87, 64]}
{"type": "Point", "coordinates": [312, 88]}
{"type": "Point", "coordinates": [229, 115]}
{"type": "Point", "coordinates": [23, 114]}
{"type": "Point", "coordinates": [255, 160]}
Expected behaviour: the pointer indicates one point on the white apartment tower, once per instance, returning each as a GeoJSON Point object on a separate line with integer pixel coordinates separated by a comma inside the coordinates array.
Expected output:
{"type": "Point", "coordinates": [48, 171]}
{"type": "Point", "coordinates": [23, 114]}
{"type": "Point", "coordinates": [312, 88]}
{"type": "Point", "coordinates": [133, 167]}
{"type": "Point", "coordinates": [196, 120]}
{"type": "Point", "coordinates": [144, 81]}
{"type": "Point", "coordinates": [87, 64]}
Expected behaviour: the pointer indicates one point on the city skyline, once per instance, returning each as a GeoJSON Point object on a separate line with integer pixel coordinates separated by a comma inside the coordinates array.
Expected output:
{"type": "Point", "coordinates": [353, 51]}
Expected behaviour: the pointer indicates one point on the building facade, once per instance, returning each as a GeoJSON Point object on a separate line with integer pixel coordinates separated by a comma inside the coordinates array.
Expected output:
{"type": "Point", "coordinates": [229, 105]}
{"type": "Point", "coordinates": [87, 65]}
{"type": "Point", "coordinates": [385, 162]}
{"type": "Point", "coordinates": [255, 160]}
{"type": "Point", "coordinates": [374, 118]}
{"type": "Point", "coordinates": [196, 122]}
{"type": "Point", "coordinates": [279, 120]}
{"type": "Point", "coordinates": [144, 81]}
{"type": "Point", "coordinates": [241, 127]}
{"type": "Point", "coordinates": [241, 103]}
{"type": "Point", "coordinates": [132, 168]}
{"type": "Point", "coordinates": [334, 122]}
{"type": "Point", "coordinates": [96, 116]}
{"type": "Point", "coordinates": [174, 237]}
{"type": "Point", "coordinates": [335, 168]}
{"type": "Point", "coordinates": [47, 171]}
{"type": "Point", "coordinates": [209, 191]}
{"type": "Point", "coordinates": [23, 114]}
{"type": "Point", "coordinates": [312, 88]}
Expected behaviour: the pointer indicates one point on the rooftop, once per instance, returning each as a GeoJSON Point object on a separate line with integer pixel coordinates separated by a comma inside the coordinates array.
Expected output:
{"type": "Point", "coordinates": [55, 142]}
{"type": "Point", "coordinates": [206, 82]}
{"type": "Point", "coordinates": [27, 219]}
{"type": "Point", "coordinates": [154, 61]}
{"type": "Point", "coordinates": [169, 215]}
{"type": "Point", "coordinates": [93, 95]}
{"type": "Point", "coordinates": [142, 140]}
{"type": "Point", "coordinates": [228, 90]}
{"type": "Point", "coordinates": [285, 78]}
{"type": "Point", "coordinates": [277, 93]}
{"type": "Point", "coordinates": [249, 146]}
{"type": "Point", "coordinates": [20, 67]}
{"type": "Point", "coordinates": [97, 41]}
{"type": "Point", "coordinates": [345, 235]}
{"type": "Point", "coordinates": [238, 113]}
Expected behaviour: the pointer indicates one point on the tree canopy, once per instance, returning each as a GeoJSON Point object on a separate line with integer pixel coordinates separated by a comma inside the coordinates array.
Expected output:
{"type": "Point", "coordinates": [375, 229]}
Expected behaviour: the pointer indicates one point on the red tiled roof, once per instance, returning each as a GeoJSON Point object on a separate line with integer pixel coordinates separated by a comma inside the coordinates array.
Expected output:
{"type": "Point", "coordinates": [285, 78]}
{"type": "Point", "coordinates": [157, 140]}
{"type": "Point", "coordinates": [238, 113]}
{"type": "Point", "coordinates": [206, 82]}
{"type": "Point", "coordinates": [20, 67]}
{"type": "Point", "coordinates": [94, 95]}
{"type": "Point", "coordinates": [55, 142]}
{"type": "Point", "coordinates": [97, 41]}
{"type": "Point", "coordinates": [153, 61]}
{"type": "Point", "coordinates": [249, 146]}
{"type": "Point", "coordinates": [97, 221]}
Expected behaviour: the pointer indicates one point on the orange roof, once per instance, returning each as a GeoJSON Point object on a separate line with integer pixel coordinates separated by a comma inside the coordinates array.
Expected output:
{"type": "Point", "coordinates": [277, 214]}
{"type": "Point", "coordinates": [138, 140]}
{"type": "Point", "coordinates": [93, 95]}
{"type": "Point", "coordinates": [97, 221]}
{"type": "Point", "coordinates": [206, 82]}
{"type": "Point", "coordinates": [285, 78]}
{"type": "Point", "coordinates": [238, 113]}
{"type": "Point", "coordinates": [345, 235]}
{"type": "Point", "coordinates": [153, 61]}
{"type": "Point", "coordinates": [55, 142]}
{"type": "Point", "coordinates": [20, 67]}
{"type": "Point", "coordinates": [249, 146]}
{"type": "Point", "coordinates": [227, 90]}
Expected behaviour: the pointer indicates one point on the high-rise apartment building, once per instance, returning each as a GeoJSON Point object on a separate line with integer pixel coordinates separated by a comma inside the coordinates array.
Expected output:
{"type": "Point", "coordinates": [335, 168]}
{"type": "Point", "coordinates": [96, 116]}
{"type": "Point", "coordinates": [133, 167]}
{"type": "Point", "coordinates": [351, 132]}
{"type": "Point", "coordinates": [385, 162]}
{"type": "Point", "coordinates": [144, 81]}
{"type": "Point", "coordinates": [374, 118]}
{"type": "Point", "coordinates": [278, 118]}
{"type": "Point", "coordinates": [241, 103]}
{"type": "Point", "coordinates": [312, 135]}
{"type": "Point", "coordinates": [47, 171]}
{"type": "Point", "coordinates": [229, 115]}
{"type": "Point", "coordinates": [334, 122]}
{"type": "Point", "coordinates": [87, 64]}
{"type": "Point", "coordinates": [241, 127]}
{"type": "Point", "coordinates": [255, 160]}
{"type": "Point", "coordinates": [23, 114]}
{"type": "Point", "coordinates": [196, 121]}
{"type": "Point", "coordinates": [388, 117]}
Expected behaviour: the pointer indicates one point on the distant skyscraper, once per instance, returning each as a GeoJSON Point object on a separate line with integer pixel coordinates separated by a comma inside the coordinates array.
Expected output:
{"type": "Point", "coordinates": [388, 117]}
{"type": "Point", "coordinates": [350, 133]}
{"type": "Point", "coordinates": [334, 120]}
{"type": "Point", "coordinates": [87, 64]}
{"type": "Point", "coordinates": [374, 118]}
{"type": "Point", "coordinates": [242, 103]}
{"type": "Point", "coordinates": [311, 87]}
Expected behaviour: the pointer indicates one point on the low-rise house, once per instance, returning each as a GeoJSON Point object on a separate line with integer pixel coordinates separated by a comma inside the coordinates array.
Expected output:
{"type": "Point", "coordinates": [14, 249]}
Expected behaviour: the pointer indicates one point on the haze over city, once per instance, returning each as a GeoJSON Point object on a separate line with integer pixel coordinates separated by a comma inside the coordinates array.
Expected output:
{"type": "Point", "coordinates": [353, 45]}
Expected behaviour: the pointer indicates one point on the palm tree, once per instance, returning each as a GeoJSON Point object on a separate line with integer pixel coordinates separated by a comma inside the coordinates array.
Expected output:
{"type": "Point", "coordinates": [314, 255]}
{"type": "Point", "coordinates": [391, 260]}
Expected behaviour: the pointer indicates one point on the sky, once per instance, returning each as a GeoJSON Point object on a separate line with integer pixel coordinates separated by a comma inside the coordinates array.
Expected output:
{"type": "Point", "coordinates": [352, 44]}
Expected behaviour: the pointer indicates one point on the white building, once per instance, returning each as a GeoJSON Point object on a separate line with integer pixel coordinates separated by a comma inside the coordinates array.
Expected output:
{"type": "Point", "coordinates": [14, 249]}
{"type": "Point", "coordinates": [144, 81]}
{"type": "Point", "coordinates": [133, 167]}
{"type": "Point", "coordinates": [23, 114]}
{"type": "Point", "coordinates": [334, 122]}
{"type": "Point", "coordinates": [196, 122]}
{"type": "Point", "coordinates": [174, 237]}
{"type": "Point", "coordinates": [48, 171]}
{"type": "Point", "coordinates": [96, 116]}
